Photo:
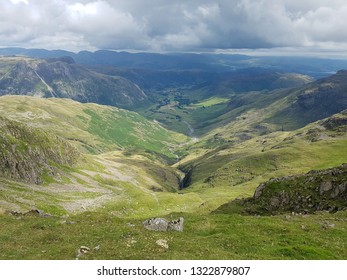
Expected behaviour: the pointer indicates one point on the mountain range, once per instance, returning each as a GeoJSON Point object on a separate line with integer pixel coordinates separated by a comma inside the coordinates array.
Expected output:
{"type": "Point", "coordinates": [109, 139]}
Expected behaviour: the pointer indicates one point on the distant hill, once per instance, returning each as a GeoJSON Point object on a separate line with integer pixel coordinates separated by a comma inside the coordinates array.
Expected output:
{"type": "Point", "coordinates": [258, 79]}
{"type": "Point", "coordinates": [287, 109]}
{"type": "Point", "coordinates": [64, 79]}
{"type": "Point", "coordinates": [314, 101]}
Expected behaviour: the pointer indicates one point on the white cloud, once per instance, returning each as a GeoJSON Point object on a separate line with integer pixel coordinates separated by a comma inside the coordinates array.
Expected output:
{"type": "Point", "coordinates": [19, 1]}
{"type": "Point", "coordinates": [174, 25]}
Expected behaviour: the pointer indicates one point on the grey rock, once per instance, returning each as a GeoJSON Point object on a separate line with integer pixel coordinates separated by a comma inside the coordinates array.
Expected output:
{"type": "Point", "coordinates": [259, 191]}
{"type": "Point", "coordinates": [156, 224]}
{"type": "Point", "coordinates": [324, 187]}
{"type": "Point", "coordinates": [81, 251]}
{"type": "Point", "coordinates": [161, 224]}
{"type": "Point", "coordinates": [176, 225]}
{"type": "Point", "coordinates": [339, 190]}
{"type": "Point", "coordinates": [162, 243]}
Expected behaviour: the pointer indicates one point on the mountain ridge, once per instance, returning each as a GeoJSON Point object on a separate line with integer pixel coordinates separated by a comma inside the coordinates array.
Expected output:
{"type": "Point", "coordinates": [62, 78]}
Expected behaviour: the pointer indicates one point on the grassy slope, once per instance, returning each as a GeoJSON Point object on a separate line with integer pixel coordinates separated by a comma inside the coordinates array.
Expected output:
{"type": "Point", "coordinates": [92, 127]}
{"type": "Point", "coordinates": [240, 170]}
{"type": "Point", "coordinates": [137, 167]}
{"type": "Point", "coordinates": [207, 107]}
{"type": "Point", "coordinates": [235, 169]}
{"type": "Point", "coordinates": [123, 185]}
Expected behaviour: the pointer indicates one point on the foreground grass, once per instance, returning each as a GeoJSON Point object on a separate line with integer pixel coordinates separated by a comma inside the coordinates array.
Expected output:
{"type": "Point", "coordinates": [319, 236]}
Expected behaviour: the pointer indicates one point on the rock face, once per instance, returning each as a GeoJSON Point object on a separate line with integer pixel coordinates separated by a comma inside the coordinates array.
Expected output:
{"type": "Point", "coordinates": [27, 153]}
{"type": "Point", "coordinates": [161, 224]}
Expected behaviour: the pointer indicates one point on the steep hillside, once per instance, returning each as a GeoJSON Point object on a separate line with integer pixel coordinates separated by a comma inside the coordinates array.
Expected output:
{"type": "Point", "coordinates": [65, 79]}
{"type": "Point", "coordinates": [248, 159]}
{"type": "Point", "coordinates": [28, 153]}
{"type": "Point", "coordinates": [261, 112]}
{"type": "Point", "coordinates": [258, 79]}
{"type": "Point", "coordinates": [315, 101]}
{"type": "Point", "coordinates": [220, 100]}
{"type": "Point", "coordinates": [94, 128]}
{"type": "Point", "coordinates": [61, 156]}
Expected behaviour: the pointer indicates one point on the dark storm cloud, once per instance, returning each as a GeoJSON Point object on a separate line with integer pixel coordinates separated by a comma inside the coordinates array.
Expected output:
{"type": "Point", "coordinates": [161, 25]}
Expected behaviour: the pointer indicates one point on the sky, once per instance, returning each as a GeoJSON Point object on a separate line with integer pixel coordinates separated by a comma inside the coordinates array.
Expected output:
{"type": "Point", "coordinates": [258, 26]}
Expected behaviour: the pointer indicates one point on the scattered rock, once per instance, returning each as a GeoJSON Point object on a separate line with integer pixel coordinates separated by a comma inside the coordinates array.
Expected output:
{"type": "Point", "coordinates": [162, 243]}
{"type": "Point", "coordinates": [131, 241]}
{"type": "Point", "coordinates": [82, 251]}
{"type": "Point", "coordinates": [96, 248]}
{"type": "Point", "coordinates": [327, 225]}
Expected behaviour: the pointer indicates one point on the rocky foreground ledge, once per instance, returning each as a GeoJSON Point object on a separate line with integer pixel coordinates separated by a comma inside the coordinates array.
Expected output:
{"type": "Point", "coordinates": [318, 190]}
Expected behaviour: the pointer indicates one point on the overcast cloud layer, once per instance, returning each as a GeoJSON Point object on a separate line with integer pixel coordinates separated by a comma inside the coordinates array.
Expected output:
{"type": "Point", "coordinates": [174, 25]}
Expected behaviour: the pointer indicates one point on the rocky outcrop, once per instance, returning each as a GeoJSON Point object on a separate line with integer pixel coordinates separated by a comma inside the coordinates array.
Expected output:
{"type": "Point", "coordinates": [318, 190]}
{"type": "Point", "coordinates": [161, 224]}
{"type": "Point", "coordinates": [336, 122]}
{"type": "Point", "coordinates": [314, 191]}
{"type": "Point", "coordinates": [28, 153]}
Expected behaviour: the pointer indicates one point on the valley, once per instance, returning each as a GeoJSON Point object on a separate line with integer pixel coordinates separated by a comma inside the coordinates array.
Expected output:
{"type": "Point", "coordinates": [100, 148]}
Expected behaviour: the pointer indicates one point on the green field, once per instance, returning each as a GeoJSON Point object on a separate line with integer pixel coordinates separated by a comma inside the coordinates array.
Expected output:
{"type": "Point", "coordinates": [211, 101]}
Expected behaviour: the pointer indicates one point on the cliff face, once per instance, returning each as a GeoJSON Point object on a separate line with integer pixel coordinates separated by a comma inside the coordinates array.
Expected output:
{"type": "Point", "coordinates": [27, 153]}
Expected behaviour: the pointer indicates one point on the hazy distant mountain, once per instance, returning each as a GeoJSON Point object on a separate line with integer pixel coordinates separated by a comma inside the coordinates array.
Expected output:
{"type": "Point", "coordinates": [315, 67]}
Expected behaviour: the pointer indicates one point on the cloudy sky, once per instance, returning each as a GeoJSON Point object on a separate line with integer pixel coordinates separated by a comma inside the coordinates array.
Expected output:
{"type": "Point", "coordinates": [176, 25]}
